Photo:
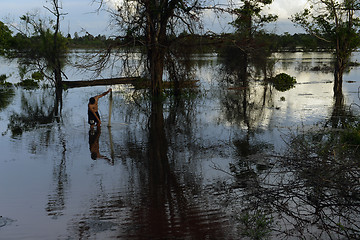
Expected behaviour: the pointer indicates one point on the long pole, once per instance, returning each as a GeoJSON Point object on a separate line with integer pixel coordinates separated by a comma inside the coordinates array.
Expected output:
{"type": "Point", "coordinates": [109, 127]}
{"type": "Point", "coordinates": [110, 109]}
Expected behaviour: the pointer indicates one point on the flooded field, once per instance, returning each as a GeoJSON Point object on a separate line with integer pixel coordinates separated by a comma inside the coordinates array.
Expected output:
{"type": "Point", "coordinates": [186, 168]}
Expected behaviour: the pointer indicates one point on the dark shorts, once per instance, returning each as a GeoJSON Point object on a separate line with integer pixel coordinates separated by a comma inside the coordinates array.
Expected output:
{"type": "Point", "coordinates": [92, 119]}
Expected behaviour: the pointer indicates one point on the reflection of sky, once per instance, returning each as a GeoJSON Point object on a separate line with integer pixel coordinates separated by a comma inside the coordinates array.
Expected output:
{"type": "Point", "coordinates": [351, 84]}
{"type": "Point", "coordinates": [311, 99]}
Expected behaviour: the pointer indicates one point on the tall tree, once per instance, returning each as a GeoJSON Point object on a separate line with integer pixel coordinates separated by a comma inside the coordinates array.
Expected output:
{"type": "Point", "coordinates": [337, 22]}
{"type": "Point", "coordinates": [40, 43]}
{"type": "Point", "coordinates": [151, 23]}
{"type": "Point", "coordinates": [55, 59]}
{"type": "Point", "coordinates": [249, 30]}
{"type": "Point", "coordinates": [250, 18]}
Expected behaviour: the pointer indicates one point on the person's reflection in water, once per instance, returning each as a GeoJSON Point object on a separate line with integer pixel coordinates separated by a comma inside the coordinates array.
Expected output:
{"type": "Point", "coordinates": [94, 136]}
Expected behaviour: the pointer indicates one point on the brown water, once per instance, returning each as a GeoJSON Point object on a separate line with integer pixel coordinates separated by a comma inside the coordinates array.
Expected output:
{"type": "Point", "coordinates": [164, 170]}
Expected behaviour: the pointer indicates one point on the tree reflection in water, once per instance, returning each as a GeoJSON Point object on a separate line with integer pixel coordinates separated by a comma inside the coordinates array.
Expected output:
{"type": "Point", "coordinates": [6, 96]}
{"type": "Point", "coordinates": [36, 110]}
{"type": "Point", "coordinates": [56, 200]}
{"type": "Point", "coordinates": [311, 192]}
{"type": "Point", "coordinates": [40, 109]}
{"type": "Point", "coordinates": [165, 200]}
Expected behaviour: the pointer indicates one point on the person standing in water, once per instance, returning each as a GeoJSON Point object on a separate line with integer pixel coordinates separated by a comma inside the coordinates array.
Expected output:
{"type": "Point", "coordinates": [93, 114]}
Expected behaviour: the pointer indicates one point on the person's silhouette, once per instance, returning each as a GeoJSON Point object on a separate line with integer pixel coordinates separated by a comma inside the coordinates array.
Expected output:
{"type": "Point", "coordinates": [93, 114]}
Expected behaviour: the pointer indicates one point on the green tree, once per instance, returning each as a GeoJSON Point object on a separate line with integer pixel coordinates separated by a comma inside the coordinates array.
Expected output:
{"type": "Point", "coordinates": [250, 18]}
{"type": "Point", "coordinates": [250, 36]}
{"type": "Point", "coordinates": [153, 24]}
{"type": "Point", "coordinates": [41, 45]}
{"type": "Point", "coordinates": [335, 22]}
{"type": "Point", "coordinates": [5, 38]}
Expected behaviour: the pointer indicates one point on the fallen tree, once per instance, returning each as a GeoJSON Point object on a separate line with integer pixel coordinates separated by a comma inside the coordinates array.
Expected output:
{"type": "Point", "coordinates": [137, 82]}
{"type": "Point", "coordinates": [101, 82]}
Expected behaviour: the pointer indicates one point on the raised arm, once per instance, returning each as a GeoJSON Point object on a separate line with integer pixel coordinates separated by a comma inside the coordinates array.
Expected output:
{"type": "Point", "coordinates": [103, 94]}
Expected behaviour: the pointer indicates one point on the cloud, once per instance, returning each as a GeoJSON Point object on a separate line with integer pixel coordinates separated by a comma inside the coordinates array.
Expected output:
{"type": "Point", "coordinates": [113, 3]}
{"type": "Point", "coordinates": [81, 14]}
{"type": "Point", "coordinates": [285, 8]}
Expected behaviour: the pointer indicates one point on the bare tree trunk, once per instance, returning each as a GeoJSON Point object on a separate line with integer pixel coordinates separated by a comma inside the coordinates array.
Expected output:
{"type": "Point", "coordinates": [156, 57]}
{"type": "Point", "coordinates": [58, 78]}
{"type": "Point", "coordinates": [157, 69]}
{"type": "Point", "coordinates": [58, 102]}
{"type": "Point", "coordinates": [56, 61]}
{"type": "Point", "coordinates": [338, 75]}
{"type": "Point", "coordinates": [57, 64]}
{"type": "Point", "coordinates": [339, 70]}
{"type": "Point", "coordinates": [156, 44]}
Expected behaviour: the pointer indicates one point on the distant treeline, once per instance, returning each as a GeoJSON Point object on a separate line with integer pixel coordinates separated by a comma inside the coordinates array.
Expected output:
{"type": "Point", "coordinates": [205, 43]}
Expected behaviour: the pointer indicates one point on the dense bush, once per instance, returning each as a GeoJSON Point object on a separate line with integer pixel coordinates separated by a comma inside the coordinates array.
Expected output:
{"type": "Point", "coordinates": [283, 82]}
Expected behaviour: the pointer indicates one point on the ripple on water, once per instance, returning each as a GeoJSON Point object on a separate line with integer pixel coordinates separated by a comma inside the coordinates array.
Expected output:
{"type": "Point", "coordinates": [169, 216]}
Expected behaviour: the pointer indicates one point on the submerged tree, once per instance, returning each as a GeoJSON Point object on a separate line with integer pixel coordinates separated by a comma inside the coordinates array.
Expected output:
{"type": "Point", "coordinates": [337, 22]}
{"type": "Point", "coordinates": [154, 24]}
{"type": "Point", "coordinates": [41, 45]}
{"type": "Point", "coordinates": [249, 18]}
{"type": "Point", "coordinates": [249, 42]}
{"type": "Point", "coordinates": [58, 49]}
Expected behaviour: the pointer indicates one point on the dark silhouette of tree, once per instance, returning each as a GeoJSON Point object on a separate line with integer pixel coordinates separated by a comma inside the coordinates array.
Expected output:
{"type": "Point", "coordinates": [248, 43]}
{"type": "Point", "coordinates": [155, 25]}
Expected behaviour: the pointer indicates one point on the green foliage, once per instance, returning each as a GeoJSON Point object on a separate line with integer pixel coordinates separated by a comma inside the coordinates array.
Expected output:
{"type": "Point", "coordinates": [330, 144]}
{"type": "Point", "coordinates": [37, 76]}
{"type": "Point", "coordinates": [351, 137]}
{"type": "Point", "coordinates": [257, 225]}
{"type": "Point", "coordinates": [89, 41]}
{"type": "Point", "coordinates": [5, 38]}
{"type": "Point", "coordinates": [249, 17]}
{"type": "Point", "coordinates": [39, 48]}
{"type": "Point", "coordinates": [305, 42]}
{"type": "Point", "coordinates": [3, 77]}
{"type": "Point", "coordinates": [336, 22]}
{"type": "Point", "coordinates": [28, 84]}
{"type": "Point", "coordinates": [283, 82]}
{"type": "Point", "coordinates": [3, 81]}
{"type": "Point", "coordinates": [202, 43]}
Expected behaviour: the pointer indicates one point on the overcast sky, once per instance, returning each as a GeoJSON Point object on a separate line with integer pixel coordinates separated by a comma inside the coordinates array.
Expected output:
{"type": "Point", "coordinates": [81, 14]}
